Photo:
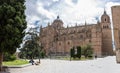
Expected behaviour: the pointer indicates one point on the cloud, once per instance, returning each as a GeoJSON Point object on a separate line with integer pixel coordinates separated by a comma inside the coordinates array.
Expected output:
{"type": "Point", "coordinates": [41, 10]}
{"type": "Point", "coordinates": [70, 11]}
{"type": "Point", "coordinates": [83, 10]}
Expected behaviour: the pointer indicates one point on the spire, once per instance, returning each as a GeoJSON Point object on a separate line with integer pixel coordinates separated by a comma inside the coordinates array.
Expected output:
{"type": "Point", "coordinates": [104, 11]}
{"type": "Point", "coordinates": [58, 17]}
{"type": "Point", "coordinates": [48, 23]}
{"type": "Point", "coordinates": [67, 26]}
{"type": "Point", "coordinates": [98, 22]}
{"type": "Point", "coordinates": [76, 24]}
{"type": "Point", "coordinates": [40, 29]}
{"type": "Point", "coordinates": [41, 26]}
{"type": "Point", "coordinates": [85, 23]}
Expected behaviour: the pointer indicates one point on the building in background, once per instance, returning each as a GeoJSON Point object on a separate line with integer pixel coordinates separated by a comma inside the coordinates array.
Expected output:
{"type": "Point", "coordinates": [116, 29]}
{"type": "Point", "coordinates": [58, 40]}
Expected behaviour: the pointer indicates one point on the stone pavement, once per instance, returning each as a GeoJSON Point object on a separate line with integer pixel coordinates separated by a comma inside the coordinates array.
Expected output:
{"type": "Point", "coordinates": [101, 65]}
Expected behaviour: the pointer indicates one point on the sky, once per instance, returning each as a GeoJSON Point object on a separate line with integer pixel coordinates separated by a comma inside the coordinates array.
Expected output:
{"type": "Point", "coordinates": [40, 12]}
{"type": "Point", "coordinates": [71, 12]}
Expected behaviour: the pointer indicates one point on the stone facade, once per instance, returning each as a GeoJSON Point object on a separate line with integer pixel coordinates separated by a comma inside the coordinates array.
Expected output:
{"type": "Point", "coordinates": [58, 40]}
{"type": "Point", "coordinates": [116, 24]}
{"type": "Point", "coordinates": [116, 27]}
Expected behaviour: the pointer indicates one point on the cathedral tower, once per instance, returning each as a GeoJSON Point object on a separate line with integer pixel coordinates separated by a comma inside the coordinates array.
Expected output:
{"type": "Point", "coordinates": [106, 35]}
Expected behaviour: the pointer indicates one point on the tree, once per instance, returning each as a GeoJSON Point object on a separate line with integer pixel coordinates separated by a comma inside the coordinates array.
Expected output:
{"type": "Point", "coordinates": [88, 51]}
{"type": "Point", "coordinates": [78, 51]}
{"type": "Point", "coordinates": [12, 26]}
{"type": "Point", "coordinates": [8, 57]}
{"type": "Point", "coordinates": [32, 47]}
{"type": "Point", "coordinates": [72, 52]}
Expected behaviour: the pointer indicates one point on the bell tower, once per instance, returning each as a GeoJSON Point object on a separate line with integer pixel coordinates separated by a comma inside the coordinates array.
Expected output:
{"type": "Point", "coordinates": [106, 35]}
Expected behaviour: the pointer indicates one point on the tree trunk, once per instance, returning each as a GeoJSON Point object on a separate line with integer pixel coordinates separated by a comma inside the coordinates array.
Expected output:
{"type": "Point", "coordinates": [1, 60]}
{"type": "Point", "coordinates": [39, 59]}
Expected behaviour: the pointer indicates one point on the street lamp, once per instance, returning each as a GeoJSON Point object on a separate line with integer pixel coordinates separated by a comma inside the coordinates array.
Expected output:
{"type": "Point", "coordinates": [26, 54]}
{"type": "Point", "coordinates": [39, 51]}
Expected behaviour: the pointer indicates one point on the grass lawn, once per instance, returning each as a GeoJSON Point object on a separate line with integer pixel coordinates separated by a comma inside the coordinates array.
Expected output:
{"type": "Point", "coordinates": [15, 62]}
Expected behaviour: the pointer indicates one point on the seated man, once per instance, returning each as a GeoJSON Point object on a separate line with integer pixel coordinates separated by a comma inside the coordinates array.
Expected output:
{"type": "Point", "coordinates": [31, 61]}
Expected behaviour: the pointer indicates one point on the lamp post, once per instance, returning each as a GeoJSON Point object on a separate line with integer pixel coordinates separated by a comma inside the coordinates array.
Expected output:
{"type": "Point", "coordinates": [50, 53]}
{"type": "Point", "coordinates": [39, 51]}
{"type": "Point", "coordinates": [26, 54]}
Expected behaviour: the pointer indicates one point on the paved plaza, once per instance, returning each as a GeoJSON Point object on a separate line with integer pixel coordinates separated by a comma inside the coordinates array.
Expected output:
{"type": "Point", "coordinates": [100, 65]}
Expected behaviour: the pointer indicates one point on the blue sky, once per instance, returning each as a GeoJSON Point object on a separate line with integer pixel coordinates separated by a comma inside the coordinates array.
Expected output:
{"type": "Point", "coordinates": [40, 12]}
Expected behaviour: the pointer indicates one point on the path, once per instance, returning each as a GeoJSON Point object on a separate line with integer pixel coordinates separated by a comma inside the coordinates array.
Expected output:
{"type": "Point", "coordinates": [101, 65]}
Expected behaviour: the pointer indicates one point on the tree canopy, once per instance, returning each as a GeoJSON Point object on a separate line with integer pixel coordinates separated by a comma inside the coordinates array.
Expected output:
{"type": "Point", "coordinates": [32, 46]}
{"type": "Point", "coordinates": [12, 26]}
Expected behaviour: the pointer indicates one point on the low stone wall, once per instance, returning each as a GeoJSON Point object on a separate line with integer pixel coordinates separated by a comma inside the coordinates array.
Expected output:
{"type": "Point", "coordinates": [5, 69]}
{"type": "Point", "coordinates": [4, 72]}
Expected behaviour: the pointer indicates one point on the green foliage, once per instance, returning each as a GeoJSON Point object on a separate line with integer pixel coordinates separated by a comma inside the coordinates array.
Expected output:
{"type": "Point", "coordinates": [83, 49]}
{"type": "Point", "coordinates": [15, 62]}
{"type": "Point", "coordinates": [31, 48]}
{"type": "Point", "coordinates": [12, 24]}
{"type": "Point", "coordinates": [8, 57]}
{"type": "Point", "coordinates": [72, 51]}
{"type": "Point", "coordinates": [78, 51]}
{"type": "Point", "coordinates": [42, 54]}
{"type": "Point", "coordinates": [87, 51]}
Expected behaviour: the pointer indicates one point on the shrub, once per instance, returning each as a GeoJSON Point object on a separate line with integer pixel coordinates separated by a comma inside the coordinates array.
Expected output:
{"type": "Point", "coordinates": [42, 54]}
{"type": "Point", "coordinates": [72, 52]}
{"type": "Point", "coordinates": [78, 51]}
{"type": "Point", "coordinates": [88, 51]}
{"type": "Point", "coordinates": [9, 57]}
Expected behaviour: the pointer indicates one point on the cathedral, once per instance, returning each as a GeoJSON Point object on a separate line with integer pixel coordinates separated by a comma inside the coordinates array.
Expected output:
{"type": "Point", "coordinates": [58, 40]}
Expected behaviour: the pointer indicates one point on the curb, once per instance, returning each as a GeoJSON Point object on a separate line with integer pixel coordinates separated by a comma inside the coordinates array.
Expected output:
{"type": "Point", "coordinates": [20, 66]}
{"type": "Point", "coordinates": [4, 72]}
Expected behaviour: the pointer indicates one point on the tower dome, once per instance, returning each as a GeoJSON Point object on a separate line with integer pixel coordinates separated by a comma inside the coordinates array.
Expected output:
{"type": "Point", "coordinates": [57, 23]}
{"type": "Point", "coordinates": [105, 18]}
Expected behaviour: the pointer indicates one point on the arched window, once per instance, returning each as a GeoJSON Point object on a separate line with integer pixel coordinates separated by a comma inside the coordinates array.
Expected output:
{"type": "Point", "coordinates": [105, 19]}
{"type": "Point", "coordinates": [60, 44]}
{"type": "Point", "coordinates": [56, 39]}
{"type": "Point", "coordinates": [89, 41]}
{"type": "Point", "coordinates": [68, 43]}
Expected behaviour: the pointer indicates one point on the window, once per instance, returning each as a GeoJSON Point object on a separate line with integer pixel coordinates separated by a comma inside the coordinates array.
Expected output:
{"type": "Point", "coordinates": [59, 43]}
{"type": "Point", "coordinates": [89, 41]}
{"type": "Point", "coordinates": [105, 19]}
{"type": "Point", "coordinates": [68, 43]}
{"type": "Point", "coordinates": [56, 39]}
